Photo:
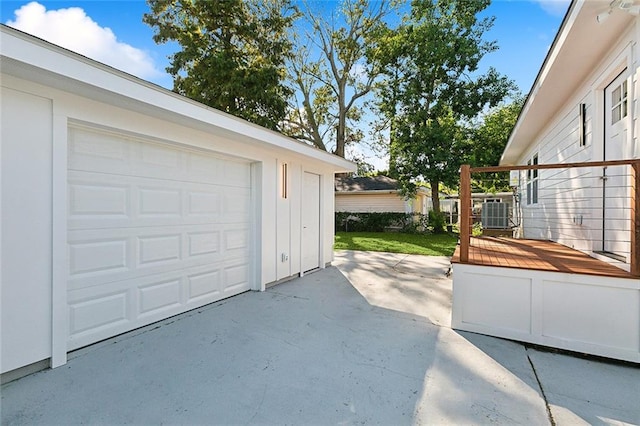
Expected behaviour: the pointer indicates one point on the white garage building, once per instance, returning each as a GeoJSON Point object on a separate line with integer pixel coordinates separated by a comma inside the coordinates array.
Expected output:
{"type": "Point", "coordinates": [123, 203]}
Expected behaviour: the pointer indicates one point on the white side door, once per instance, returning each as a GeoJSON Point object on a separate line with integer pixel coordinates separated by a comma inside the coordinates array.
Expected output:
{"type": "Point", "coordinates": [615, 182]}
{"type": "Point", "coordinates": [311, 222]}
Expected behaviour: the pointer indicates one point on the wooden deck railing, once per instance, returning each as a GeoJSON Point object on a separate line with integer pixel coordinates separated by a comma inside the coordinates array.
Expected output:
{"type": "Point", "coordinates": [466, 217]}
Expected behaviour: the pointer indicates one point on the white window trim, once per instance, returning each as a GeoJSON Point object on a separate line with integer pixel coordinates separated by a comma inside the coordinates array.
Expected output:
{"type": "Point", "coordinates": [533, 180]}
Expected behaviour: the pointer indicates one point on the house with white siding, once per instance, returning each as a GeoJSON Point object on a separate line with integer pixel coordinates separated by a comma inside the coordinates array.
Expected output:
{"type": "Point", "coordinates": [377, 194]}
{"type": "Point", "coordinates": [583, 108]}
{"type": "Point", "coordinates": [573, 279]}
{"type": "Point", "coordinates": [123, 203]}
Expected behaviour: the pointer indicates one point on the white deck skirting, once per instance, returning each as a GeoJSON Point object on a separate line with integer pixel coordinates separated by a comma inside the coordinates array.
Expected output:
{"type": "Point", "coordinates": [590, 314]}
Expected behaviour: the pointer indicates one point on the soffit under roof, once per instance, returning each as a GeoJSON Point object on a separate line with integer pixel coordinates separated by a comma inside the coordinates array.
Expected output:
{"type": "Point", "coordinates": [579, 46]}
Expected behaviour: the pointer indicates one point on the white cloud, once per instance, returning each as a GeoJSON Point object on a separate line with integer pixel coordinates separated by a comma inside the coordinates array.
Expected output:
{"type": "Point", "coordinates": [554, 7]}
{"type": "Point", "coordinates": [72, 29]}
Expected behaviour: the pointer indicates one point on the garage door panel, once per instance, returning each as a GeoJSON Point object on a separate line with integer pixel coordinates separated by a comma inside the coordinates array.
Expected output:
{"type": "Point", "coordinates": [99, 200]}
{"type": "Point", "coordinates": [104, 311]}
{"type": "Point", "coordinates": [236, 275]}
{"type": "Point", "coordinates": [96, 313]}
{"type": "Point", "coordinates": [100, 256]}
{"type": "Point", "coordinates": [204, 203]}
{"type": "Point", "coordinates": [153, 230]}
{"type": "Point", "coordinates": [204, 284]}
{"type": "Point", "coordinates": [156, 297]}
{"type": "Point", "coordinates": [238, 173]}
{"type": "Point", "coordinates": [85, 146]}
{"type": "Point", "coordinates": [105, 153]}
{"type": "Point", "coordinates": [158, 249]}
{"type": "Point", "coordinates": [95, 202]}
{"type": "Point", "coordinates": [95, 259]}
{"type": "Point", "coordinates": [236, 240]}
{"type": "Point", "coordinates": [236, 206]}
{"type": "Point", "coordinates": [156, 157]}
{"type": "Point", "coordinates": [159, 201]}
{"type": "Point", "coordinates": [206, 169]}
{"type": "Point", "coordinates": [203, 242]}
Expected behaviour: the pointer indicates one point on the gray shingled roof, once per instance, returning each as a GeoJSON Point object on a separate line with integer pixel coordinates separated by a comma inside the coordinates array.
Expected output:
{"type": "Point", "coordinates": [375, 183]}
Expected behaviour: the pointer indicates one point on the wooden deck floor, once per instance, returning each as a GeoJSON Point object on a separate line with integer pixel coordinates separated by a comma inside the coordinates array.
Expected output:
{"type": "Point", "coordinates": [537, 255]}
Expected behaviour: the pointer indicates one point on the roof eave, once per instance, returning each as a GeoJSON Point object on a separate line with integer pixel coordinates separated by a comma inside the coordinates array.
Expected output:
{"type": "Point", "coordinates": [377, 192]}
{"type": "Point", "coordinates": [63, 69]}
{"type": "Point", "coordinates": [576, 49]}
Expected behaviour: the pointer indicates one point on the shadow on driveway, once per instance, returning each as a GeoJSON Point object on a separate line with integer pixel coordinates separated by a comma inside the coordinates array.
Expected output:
{"type": "Point", "coordinates": [308, 351]}
{"type": "Point", "coordinates": [366, 342]}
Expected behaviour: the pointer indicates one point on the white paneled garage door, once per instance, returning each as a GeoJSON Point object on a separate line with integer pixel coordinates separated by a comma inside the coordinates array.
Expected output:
{"type": "Point", "coordinates": [154, 230]}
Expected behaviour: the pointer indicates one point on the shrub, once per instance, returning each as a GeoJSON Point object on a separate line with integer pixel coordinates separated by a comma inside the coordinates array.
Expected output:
{"type": "Point", "coordinates": [437, 222]}
{"type": "Point", "coordinates": [380, 222]}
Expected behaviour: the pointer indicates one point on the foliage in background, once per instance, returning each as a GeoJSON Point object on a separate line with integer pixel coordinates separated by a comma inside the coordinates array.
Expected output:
{"type": "Point", "coordinates": [232, 55]}
{"type": "Point", "coordinates": [432, 85]}
{"type": "Point", "coordinates": [424, 244]}
{"type": "Point", "coordinates": [293, 67]}
{"type": "Point", "coordinates": [329, 88]}
{"type": "Point", "coordinates": [490, 138]}
{"type": "Point", "coordinates": [364, 168]}
{"type": "Point", "coordinates": [436, 221]}
{"type": "Point", "coordinates": [390, 221]}
{"type": "Point", "coordinates": [377, 222]}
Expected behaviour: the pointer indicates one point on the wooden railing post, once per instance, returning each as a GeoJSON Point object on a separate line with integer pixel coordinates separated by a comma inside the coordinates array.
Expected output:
{"type": "Point", "coordinates": [465, 212]}
{"type": "Point", "coordinates": [635, 219]}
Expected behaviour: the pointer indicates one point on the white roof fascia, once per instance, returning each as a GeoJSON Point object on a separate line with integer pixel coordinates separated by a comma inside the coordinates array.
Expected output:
{"type": "Point", "coordinates": [22, 48]}
{"type": "Point", "coordinates": [576, 52]}
{"type": "Point", "coordinates": [369, 192]}
{"type": "Point", "coordinates": [379, 192]}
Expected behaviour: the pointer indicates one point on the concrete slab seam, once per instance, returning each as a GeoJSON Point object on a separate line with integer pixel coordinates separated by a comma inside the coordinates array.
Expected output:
{"type": "Point", "coordinates": [544, 396]}
{"type": "Point", "coordinates": [400, 261]}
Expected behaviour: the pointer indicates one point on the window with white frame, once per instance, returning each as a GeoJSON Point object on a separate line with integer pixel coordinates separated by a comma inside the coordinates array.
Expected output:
{"type": "Point", "coordinates": [619, 105]}
{"type": "Point", "coordinates": [583, 124]}
{"type": "Point", "coordinates": [532, 181]}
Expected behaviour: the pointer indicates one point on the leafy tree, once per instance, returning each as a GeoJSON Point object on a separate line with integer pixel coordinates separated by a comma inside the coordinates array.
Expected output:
{"type": "Point", "coordinates": [330, 87]}
{"type": "Point", "coordinates": [364, 167]}
{"type": "Point", "coordinates": [232, 55]}
{"type": "Point", "coordinates": [490, 138]}
{"type": "Point", "coordinates": [432, 85]}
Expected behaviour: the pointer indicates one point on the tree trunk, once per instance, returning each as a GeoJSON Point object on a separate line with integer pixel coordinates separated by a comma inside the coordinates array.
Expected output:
{"type": "Point", "coordinates": [435, 195]}
{"type": "Point", "coordinates": [436, 218]}
{"type": "Point", "coordinates": [340, 137]}
{"type": "Point", "coordinates": [341, 132]}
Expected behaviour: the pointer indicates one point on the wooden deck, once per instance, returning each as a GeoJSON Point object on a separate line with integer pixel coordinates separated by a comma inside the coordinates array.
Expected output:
{"type": "Point", "coordinates": [536, 255]}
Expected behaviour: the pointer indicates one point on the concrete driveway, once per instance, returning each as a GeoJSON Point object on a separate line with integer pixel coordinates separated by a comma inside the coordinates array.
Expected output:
{"type": "Point", "coordinates": [364, 342]}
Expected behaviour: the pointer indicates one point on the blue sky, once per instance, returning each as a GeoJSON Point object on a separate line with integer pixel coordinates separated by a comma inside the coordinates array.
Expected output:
{"type": "Point", "coordinates": [524, 30]}
{"type": "Point", "coordinates": [112, 32]}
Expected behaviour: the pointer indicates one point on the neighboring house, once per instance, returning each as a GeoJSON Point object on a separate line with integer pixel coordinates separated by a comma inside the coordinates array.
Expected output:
{"type": "Point", "coordinates": [377, 194]}
{"type": "Point", "coordinates": [582, 108]}
{"type": "Point", "coordinates": [124, 203]}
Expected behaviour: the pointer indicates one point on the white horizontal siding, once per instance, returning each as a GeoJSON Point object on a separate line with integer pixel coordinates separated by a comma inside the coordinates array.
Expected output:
{"type": "Point", "coordinates": [367, 203]}
{"type": "Point", "coordinates": [569, 208]}
{"type": "Point", "coordinates": [564, 194]}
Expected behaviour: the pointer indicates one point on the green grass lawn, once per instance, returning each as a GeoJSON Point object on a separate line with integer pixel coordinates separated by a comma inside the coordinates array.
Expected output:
{"type": "Point", "coordinates": [425, 244]}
